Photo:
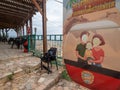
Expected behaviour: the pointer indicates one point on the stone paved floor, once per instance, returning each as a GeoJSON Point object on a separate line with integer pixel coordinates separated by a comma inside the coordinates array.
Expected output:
{"type": "Point", "coordinates": [29, 82]}
{"type": "Point", "coordinates": [13, 59]}
{"type": "Point", "coordinates": [14, 65]}
{"type": "Point", "coordinates": [7, 53]}
{"type": "Point", "coordinates": [26, 82]}
{"type": "Point", "coordinates": [67, 85]}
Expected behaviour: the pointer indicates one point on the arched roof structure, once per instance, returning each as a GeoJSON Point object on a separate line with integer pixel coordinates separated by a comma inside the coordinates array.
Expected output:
{"type": "Point", "coordinates": [15, 13]}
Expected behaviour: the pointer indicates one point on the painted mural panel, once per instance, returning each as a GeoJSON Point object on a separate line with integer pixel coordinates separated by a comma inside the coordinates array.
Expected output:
{"type": "Point", "coordinates": [92, 42]}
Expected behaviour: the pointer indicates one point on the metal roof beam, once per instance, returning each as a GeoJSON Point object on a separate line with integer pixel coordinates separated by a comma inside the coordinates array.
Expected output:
{"type": "Point", "coordinates": [17, 3]}
{"type": "Point", "coordinates": [7, 24]}
{"type": "Point", "coordinates": [13, 15]}
{"type": "Point", "coordinates": [14, 7]}
{"type": "Point", "coordinates": [12, 10]}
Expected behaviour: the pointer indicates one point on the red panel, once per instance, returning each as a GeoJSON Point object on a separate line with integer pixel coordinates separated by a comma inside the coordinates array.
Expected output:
{"type": "Point", "coordinates": [101, 82]}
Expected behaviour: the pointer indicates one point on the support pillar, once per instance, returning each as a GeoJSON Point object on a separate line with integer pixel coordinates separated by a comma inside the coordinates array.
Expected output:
{"type": "Point", "coordinates": [6, 32]}
{"type": "Point", "coordinates": [44, 27]}
{"type": "Point", "coordinates": [17, 31]}
{"type": "Point", "coordinates": [31, 25]}
{"type": "Point", "coordinates": [3, 32]}
{"type": "Point", "coordinates": [20, 31]}
{"type": "Point", "coordinates": [26, 27]}
{"type": "Point", "coordinates": [0, 33]}
{"type": "Point", "coordinates": [23, 31]}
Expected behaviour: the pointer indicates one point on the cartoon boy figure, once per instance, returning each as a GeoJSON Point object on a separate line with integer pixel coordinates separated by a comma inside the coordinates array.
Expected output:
{"type": "Point", "coordinates": [81, 47]}
{"type": "Point", "coordinates": [88, 53]}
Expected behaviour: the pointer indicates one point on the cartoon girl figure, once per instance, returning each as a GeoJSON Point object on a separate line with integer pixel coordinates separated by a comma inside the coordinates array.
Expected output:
{"type": "Point", "coordinates": [97, 51]}
{"type": "Point", "coordinates": [88, 53]}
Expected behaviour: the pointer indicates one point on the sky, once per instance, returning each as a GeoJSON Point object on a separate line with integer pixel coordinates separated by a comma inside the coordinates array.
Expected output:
{"type": "Point", "coordinates": [54, 16]}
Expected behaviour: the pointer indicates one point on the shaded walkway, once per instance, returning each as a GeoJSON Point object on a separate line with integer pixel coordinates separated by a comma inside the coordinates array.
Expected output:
{"type": "Point", "coordinates": [15, 61]}
{"type": "Point", "coordinates": [22, 68]}
{"type": "Point", "coordinates": [7, 53]}
{"type": "Point", "coordinates": [20, 71]}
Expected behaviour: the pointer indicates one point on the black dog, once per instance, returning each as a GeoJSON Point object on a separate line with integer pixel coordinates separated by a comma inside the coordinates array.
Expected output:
{"type": "Point", "coordinates": [10, 41]}
{"type": "Point", "coordinates": [19, 41]}
{"type": "Point", "coordinates": [3, 39]}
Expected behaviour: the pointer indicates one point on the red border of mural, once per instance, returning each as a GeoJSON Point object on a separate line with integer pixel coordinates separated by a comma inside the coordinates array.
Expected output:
{"type": "Point", "coordinates": [103, 83]}
{"type": "Point", "coordinates": [85, 7]}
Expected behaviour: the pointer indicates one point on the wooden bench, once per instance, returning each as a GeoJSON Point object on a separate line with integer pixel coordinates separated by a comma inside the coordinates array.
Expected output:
{"type": "Point", "coordinates": [48, 57]}
{"type": "Point", "coordinates": [40, 55]}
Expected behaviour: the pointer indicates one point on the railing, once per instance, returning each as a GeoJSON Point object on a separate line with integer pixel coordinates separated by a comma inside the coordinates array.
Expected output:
{"type": "Point", "coordinates": [53, 37]}
{"type": "Point", "coordinates": [52, 41]}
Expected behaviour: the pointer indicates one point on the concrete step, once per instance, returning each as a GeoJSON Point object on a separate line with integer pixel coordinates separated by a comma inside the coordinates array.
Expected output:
{"type": "Point", "coordinates": [36, 80]}
{"type": "Point", "coordinates": [18, 67]}
{"type": "Point", "coordinates": [18, 71]}
{"type": "Point", "coordinates": [46, 81]}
